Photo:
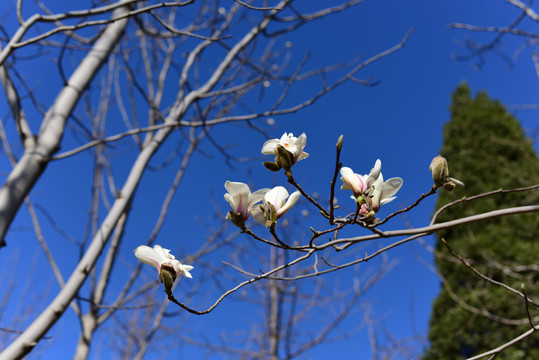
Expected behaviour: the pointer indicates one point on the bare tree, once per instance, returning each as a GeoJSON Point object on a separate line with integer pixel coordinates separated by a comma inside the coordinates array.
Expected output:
{"type": "Point", "coordinates": [132, 96]}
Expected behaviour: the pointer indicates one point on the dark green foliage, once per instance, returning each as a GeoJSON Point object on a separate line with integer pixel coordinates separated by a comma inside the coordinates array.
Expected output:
{"type": "Point", "coordinates": [487, 149]}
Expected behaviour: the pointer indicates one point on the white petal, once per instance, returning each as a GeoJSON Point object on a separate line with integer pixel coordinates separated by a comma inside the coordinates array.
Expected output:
{"type": "Point", "coordinates": [230, 200]}
{"type": "Point", "coordinates": [286, 137]}
{"type": "Point", "coordinates": [303, 155]}
{"type": "Point", "coordinates": [258, 214]}
{"type": "Point", "coordinates": [269, 146]}
{"type": "Point", "coordinates": [164, 253]}
{"type": "Point", "coordinates": [148, 256]}
{"type": "Point", "coordinates": [388, 200]}
{"type": "Point", "coordinates": [376, 171]}
{"type": "Point", "coordinates": [234, 188]}
{"type": "Point", "coordinates": [257, 196]}
{"type": "Point", "coordinates": [187, 267]}
{"type": "Point", "coordinates": [289, 203]}
{"type": "Point", "coordinates": [391, 187]}
{"type": "Point", "coordinates": [301, 141]}
{"type": "Point", "coordinates": [377, 193]}
{"type": "Point", "coordinates": [184, 269]}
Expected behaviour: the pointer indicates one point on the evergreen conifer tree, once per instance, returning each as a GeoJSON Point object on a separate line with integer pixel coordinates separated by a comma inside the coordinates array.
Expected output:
{"type": "Point", "coordinates": [487, 149]}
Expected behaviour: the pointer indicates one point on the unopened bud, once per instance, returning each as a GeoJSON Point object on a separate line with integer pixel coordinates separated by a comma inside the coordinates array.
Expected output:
{"type": "Point", "coordinates": [440, 174]}
{"type": "Point", "coordinates": [440, 170]}
{"type": "Point", "coordinates": [167, 275]}
{"type": "Point", "coordinates": [339, 143]}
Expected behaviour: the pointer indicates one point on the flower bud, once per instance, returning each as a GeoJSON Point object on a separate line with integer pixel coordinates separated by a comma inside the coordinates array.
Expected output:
{"type": "Point", "coordinates": [440, 170]}
{"type": "Point", "coordinates": [339, 143]}
{"type": "Point", "coordinates": [167, 277]}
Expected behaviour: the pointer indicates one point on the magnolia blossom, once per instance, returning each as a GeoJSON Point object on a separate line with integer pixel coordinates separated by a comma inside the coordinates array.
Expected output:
{"type": "Point", "coordinates": [294, 145]}
{"type": "Point", "coordinates": [161, 259]}
{"type": "Point", "coordinates": [360, 184]}
{"type": "Point", "coordinates": [276, 203]}
{"type": "Point", "coordinates": [383, 192]}
{"type": "Point", "coordinates": [241, 199]}
{"type": "Point", "coordinates": [371, 191]}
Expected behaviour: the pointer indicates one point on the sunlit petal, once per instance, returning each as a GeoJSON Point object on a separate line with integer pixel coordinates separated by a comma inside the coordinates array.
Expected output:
{"type": "Point", "coordinates": [148, 256]}
{"type": "Point", "coordinates": [289, 203]}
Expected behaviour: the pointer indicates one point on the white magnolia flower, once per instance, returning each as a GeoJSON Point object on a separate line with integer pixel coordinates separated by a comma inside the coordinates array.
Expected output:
{"type": "Point", "coordinates": [161, 258]}
{"type": "Point", "coordinates": [360, 184]}
{"type": "Point", "coordinates": [383, 191]}
{"type": "Point", "coordinates": [241, 199]}
{"type": "Point", "coordinates": [290, 143]}
{"type": "Point", "coordinates": [276, 203]}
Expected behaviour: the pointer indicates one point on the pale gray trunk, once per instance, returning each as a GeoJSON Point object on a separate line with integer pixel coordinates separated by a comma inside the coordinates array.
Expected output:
{"type": "Point", "coordinates": [89, 324]}
{"type": "Point", "coordinates": [35, 158]}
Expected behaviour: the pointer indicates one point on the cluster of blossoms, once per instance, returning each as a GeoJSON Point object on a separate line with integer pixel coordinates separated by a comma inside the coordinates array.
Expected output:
{"type": "Point", "coordinates": [275, 202]}
{"type": "Point", "coordinates": [370, 191]}
{"type": "Point", "coordinates": [266, 205]}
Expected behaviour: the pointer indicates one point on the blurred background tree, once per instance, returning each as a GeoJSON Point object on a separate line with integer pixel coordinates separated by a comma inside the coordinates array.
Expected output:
{"type": "Point", "coordinates": [487, 149]}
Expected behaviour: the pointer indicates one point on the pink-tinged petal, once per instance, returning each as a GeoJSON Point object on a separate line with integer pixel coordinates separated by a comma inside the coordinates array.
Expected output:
{"type": "Point", "coordinates": [289, 203]}
{"type": "Point", "coordinates": [364, 210]}
{"type": "Point", "coordinates": [276, 197]}
{"type": "Point", "coordinates": [149, 256]}
{"type": "Point", "coordinates": [269, 146]}
{"type": "Point", "coordinates": [238, 196]}
{"type": "Point", "coordinates": [346, 174]}
{"type": "Point", "coordinates": [352, 181]}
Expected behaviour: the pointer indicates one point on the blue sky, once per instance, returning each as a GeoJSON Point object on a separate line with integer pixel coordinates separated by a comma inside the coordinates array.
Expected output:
{"type": "Point", "coordinates": [399, 121]}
